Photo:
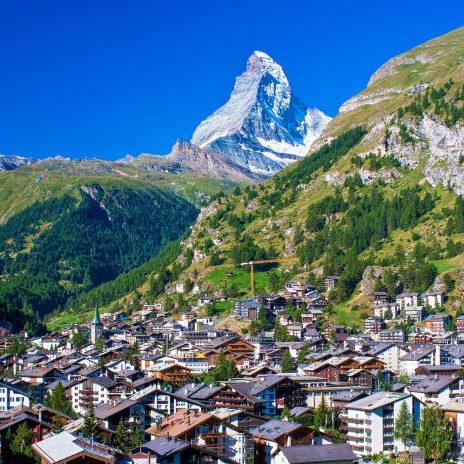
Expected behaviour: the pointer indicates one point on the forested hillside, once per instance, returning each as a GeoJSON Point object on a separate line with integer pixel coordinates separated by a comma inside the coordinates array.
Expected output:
{"type": "Point", "coordinates": [65, 246]}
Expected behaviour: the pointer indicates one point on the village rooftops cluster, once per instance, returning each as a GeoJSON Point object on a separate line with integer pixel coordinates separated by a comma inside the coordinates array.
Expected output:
{"type": "Point", "coordinates": [163, 379]}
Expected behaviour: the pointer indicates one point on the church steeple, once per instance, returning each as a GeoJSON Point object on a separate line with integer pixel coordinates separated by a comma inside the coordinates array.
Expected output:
{"type": "Point", "coordinates": [96, 316]}
{"type": "Point", "coordinates": [96, 327]}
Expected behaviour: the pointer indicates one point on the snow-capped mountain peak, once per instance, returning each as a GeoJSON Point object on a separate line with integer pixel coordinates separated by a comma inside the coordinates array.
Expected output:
{"type": "Point", "coordinates": [263, 126]}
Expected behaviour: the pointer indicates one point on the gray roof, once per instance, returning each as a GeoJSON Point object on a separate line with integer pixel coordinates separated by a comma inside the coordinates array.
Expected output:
{"type": "Point", "coordinates": [163, 446]}
{"type": "Point", "coordinates": [304, 454]}
{"type": "Point", "coordinates": [103, 411]}
{"type": "Point", "coordinates": [418, 353]}
{"type": "Point", "coordinates": [273, 429]}
{"type": "Point", "coordinates": [377, 400]}
{"type": "Point", "coordinates": [432, 384]}
{"type": "Point", "coordinates": [348, 395]}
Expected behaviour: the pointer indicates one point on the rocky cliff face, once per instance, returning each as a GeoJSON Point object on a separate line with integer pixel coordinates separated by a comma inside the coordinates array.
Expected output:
{"type": "Point", "coordinates": [429, 139]}
{"type": "Point", "coordinates": [263, 127]}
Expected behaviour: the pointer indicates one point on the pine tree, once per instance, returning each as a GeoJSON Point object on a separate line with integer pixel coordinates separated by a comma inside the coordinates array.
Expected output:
{"type": "Point", "coordinates": [138, 437]}
{"type": "Point", "coordinates": [404, 426]}
{"type": "Point", "coordinates": [90, 427]}
{"type": "Point", "coordinates": [121, 438]}
{"type": "Point", "coordinates": [57, 425]}
{"type": "Point", "coordinates": [58, 401]}
{"type": "Point", "coordinates": [287, 362]}
{"type": "Point", "coordinates": [302, 353]}
{"type": "Point", "coordinates": [322, 415]}
{"type": "Point", "coordinates": [434, 434]}
{"type": "Point", "coordinates": [21, 445]}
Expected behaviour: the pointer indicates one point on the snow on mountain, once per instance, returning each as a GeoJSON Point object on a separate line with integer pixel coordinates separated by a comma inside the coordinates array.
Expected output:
{"type": "Point", "coordinates": [263, 127]}
{"type": "Point", "coordinates": [11, 162]}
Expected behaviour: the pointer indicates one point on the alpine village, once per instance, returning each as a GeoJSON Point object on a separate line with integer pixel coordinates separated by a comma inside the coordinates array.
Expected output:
{"type": "Point", "coordinates": [284, 288]}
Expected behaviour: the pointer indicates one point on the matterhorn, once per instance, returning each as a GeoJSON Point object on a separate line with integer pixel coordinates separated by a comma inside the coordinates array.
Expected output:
{"type": "Point", "coordinates": [263, 127]}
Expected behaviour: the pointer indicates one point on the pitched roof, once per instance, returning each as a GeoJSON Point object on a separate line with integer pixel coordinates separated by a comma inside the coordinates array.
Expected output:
{"type": "Point", "coordinates": [304, 454]}
{"type": "Point", "coordinates": [64, 446]}
{"type": "Point", "coordinates": [106, 410]}
{"type": "Point", "coordinates": [377, 400]}
{"type": "Point", "coordinates": [432, 384]}
{"type": "Point", "coordinates": [163, 447]}
{"type": "Point", "coordinates": [179, 423]}
{"type": "Point", "coordinates": [274, 428]}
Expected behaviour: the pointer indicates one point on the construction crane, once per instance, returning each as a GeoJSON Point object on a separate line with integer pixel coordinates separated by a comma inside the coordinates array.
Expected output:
{"type": "Point", "coordinates": [252, 270]}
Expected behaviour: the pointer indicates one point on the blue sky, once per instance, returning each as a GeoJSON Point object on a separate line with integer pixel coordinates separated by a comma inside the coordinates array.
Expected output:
{"type": "Point", "coordinates": [107, 78]}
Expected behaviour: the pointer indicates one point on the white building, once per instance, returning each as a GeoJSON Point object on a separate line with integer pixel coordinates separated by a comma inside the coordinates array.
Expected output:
{"type": "Point", "coordinates": [421, 356]}
{"type": "Point", "coordinates": [433, 299]}
{"type": "Point", "coordinates": [370, 422]}
{"type": "Point", "coordinates": [92, 390]}
{"type": "Point", "coordinates": [12, 397]}
{"type": "Point", "coordinates": [386, 311]}
{"type": "Point", "coordinates": [389, 353]}
{"type": "Point", "coordinates": [436, 389]}
{"type": "Point", "coordinates": [403, 300]}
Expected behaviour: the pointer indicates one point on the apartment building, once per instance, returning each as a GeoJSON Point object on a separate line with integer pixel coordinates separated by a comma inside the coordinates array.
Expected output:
{"type": "Point", "coordinates": [369, 423]}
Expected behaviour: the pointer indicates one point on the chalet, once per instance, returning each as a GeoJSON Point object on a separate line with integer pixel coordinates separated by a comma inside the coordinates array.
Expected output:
{"type": "Point", "coordinates": [314, 300]}
{"type": "Point", "coordinates": [273, 434]}
{"type": "Point", "coordinates": [40, 375]}
{"type": "Point", "coordinates": [436, 390]}
{"type": "Point", "coordinates": [420, 338]}
{"type": "Point", "coordinates": [238, 395]}
{"type": "Point", "coordinates": [173, 374]}
{"type": "Point", "coordinates": [299, 289]}
{"type": "Point", "coordinates": [135, 415]}
{"type": "Point", "coordinates": [276, 391]}
{"type": "Point", "coordinates": [445, 369]}
{"type": "Point", "coordinates": [233, 344]}
{"type": "Point", "coordinates": [205, 429]}
{"type": "Point", "coordinates": [360, 377]}
{"type": "Point", "coordinates": [272, 303]}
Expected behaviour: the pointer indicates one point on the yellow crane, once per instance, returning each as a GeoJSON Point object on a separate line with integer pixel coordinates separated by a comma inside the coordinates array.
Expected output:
{"type": "Point", "coordinates": [252, 269]}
